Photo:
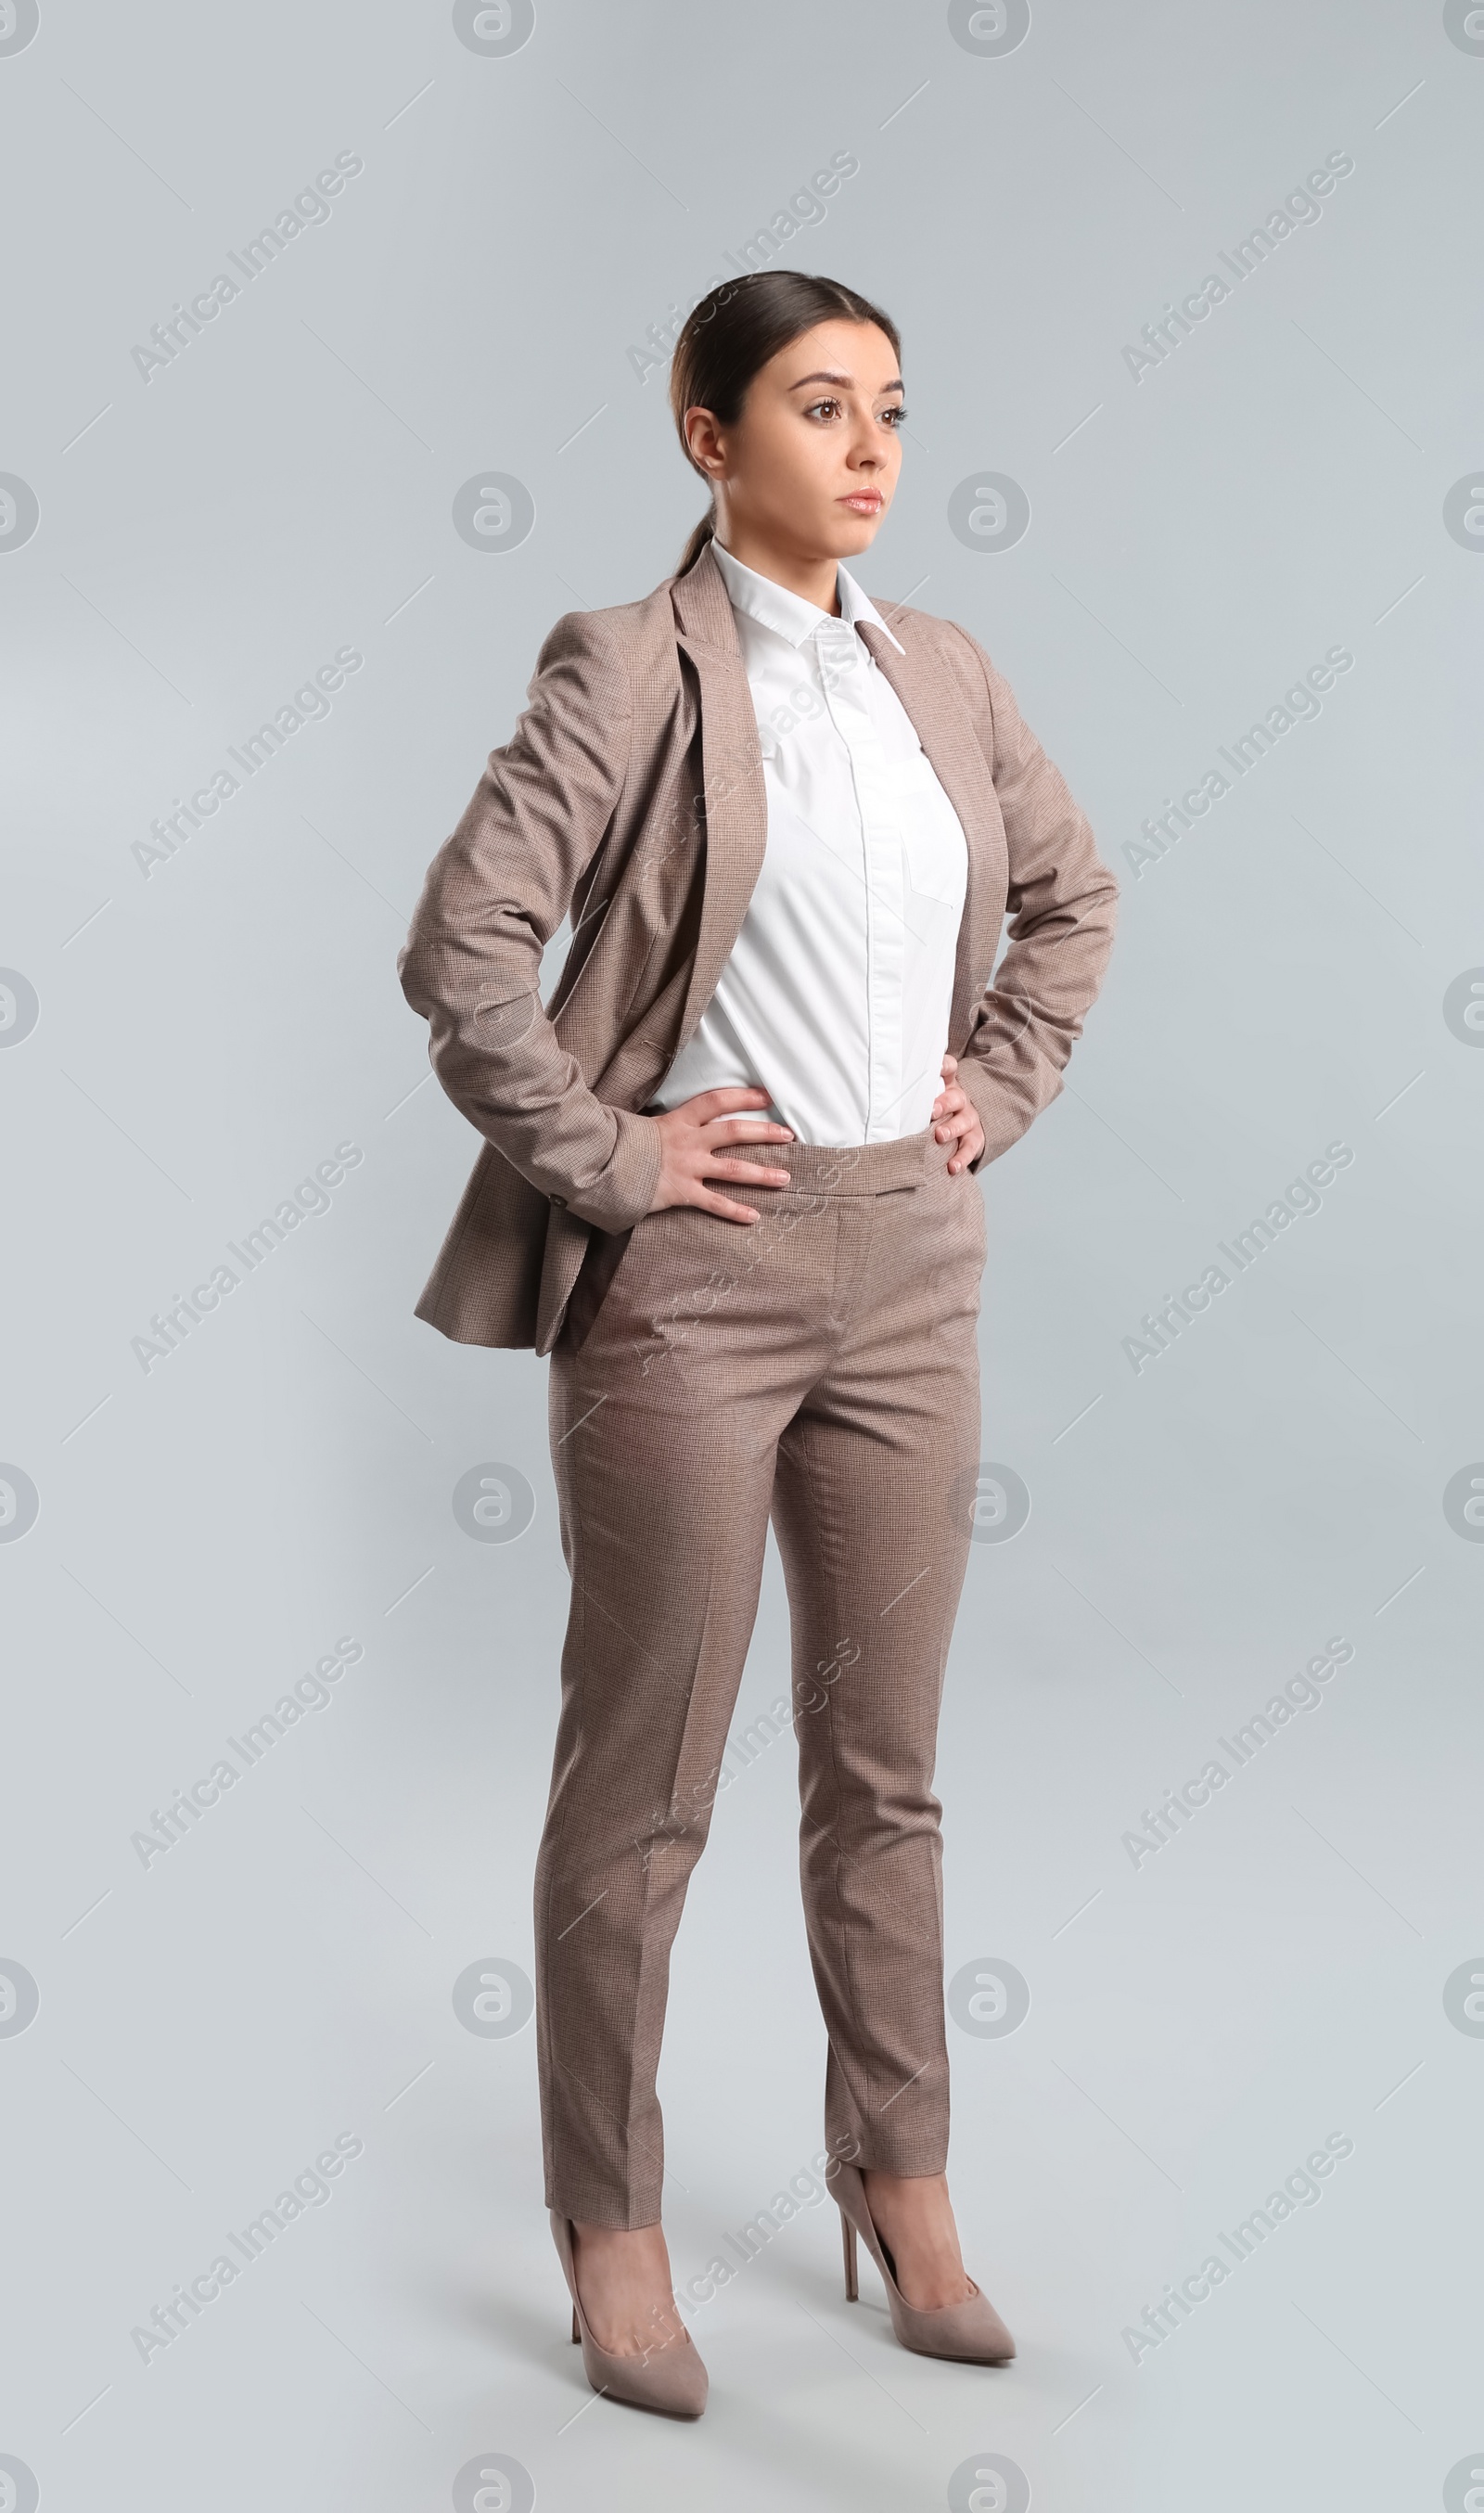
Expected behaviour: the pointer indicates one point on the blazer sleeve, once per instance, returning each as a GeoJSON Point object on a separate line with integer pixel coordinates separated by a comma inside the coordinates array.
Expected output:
{"type": "Point", "coordinates": [494, 895]}
{"type": "Point", "coordinates": [1061, 899]}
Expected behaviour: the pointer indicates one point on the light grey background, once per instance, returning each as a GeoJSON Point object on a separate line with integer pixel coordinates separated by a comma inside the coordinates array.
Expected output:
{"type": "Point", "coordinates": [208, 1033]}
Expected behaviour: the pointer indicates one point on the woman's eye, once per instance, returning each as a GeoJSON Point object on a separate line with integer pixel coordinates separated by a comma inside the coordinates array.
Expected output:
{"type": "Point", "coordinates": [830, 408]}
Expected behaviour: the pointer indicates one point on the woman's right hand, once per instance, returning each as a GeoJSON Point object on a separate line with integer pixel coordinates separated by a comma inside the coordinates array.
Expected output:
{"type": "Point", "coordinates": [694, 1137]}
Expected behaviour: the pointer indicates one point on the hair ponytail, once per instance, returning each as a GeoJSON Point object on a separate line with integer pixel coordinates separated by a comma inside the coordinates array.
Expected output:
{"type": "Point", "coordinates": [729, 334]}
{"type": "Point", "coordinates": [705, 531]}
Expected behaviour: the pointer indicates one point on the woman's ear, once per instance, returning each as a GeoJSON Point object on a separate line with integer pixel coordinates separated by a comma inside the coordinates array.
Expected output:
{"type": "Point", "coordinates": [702, 441]}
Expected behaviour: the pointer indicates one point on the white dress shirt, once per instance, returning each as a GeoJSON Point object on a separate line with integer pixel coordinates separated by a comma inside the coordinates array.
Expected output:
{"type": "Point", "coordinates": [836, 995]}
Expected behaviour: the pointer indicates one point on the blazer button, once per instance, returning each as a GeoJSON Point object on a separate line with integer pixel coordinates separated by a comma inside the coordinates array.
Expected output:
{"type": "Point", "coordinates": [561, 1200]}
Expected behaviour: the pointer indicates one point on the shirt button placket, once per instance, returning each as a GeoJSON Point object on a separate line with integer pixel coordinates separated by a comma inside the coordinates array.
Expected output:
{"type": "Point", "coordinates": [848, 693]}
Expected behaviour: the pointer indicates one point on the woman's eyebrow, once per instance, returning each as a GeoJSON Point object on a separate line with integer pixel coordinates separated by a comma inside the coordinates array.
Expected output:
{"type": "Point", "coordinates": [823, 375]}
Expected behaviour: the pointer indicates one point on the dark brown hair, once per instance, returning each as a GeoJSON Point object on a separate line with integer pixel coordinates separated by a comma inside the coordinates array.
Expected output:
{"type": "Point", "coordinates": [731, 334]}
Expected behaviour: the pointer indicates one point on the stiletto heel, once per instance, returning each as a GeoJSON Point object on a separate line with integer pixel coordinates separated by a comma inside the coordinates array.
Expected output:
{"type": "Point", "coordinates": [670, 2379]}
{"type": "Point", "coordinates": [969, 2332]}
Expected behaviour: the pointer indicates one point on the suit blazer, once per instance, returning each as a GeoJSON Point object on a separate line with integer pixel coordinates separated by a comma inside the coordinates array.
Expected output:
{"type": "Point", "coordinates": [631, 795]}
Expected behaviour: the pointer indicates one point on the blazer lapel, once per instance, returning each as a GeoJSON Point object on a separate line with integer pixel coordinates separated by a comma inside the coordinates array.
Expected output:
{"type": "Point", "coordinates": [733, 797]}
{"type": "Point", "coordinates": [944, 728]}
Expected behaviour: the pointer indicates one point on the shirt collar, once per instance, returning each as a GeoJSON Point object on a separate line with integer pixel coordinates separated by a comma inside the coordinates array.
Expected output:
{"type": "Point", "coordinates": [787, 614]}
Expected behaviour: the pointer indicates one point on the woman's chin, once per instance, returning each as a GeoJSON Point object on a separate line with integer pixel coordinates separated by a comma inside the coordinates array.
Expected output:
{"type": "Point", "coordinates": [853, 534]}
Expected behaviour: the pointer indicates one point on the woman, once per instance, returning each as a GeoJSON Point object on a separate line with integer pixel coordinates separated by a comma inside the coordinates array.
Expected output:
{"type": "Point", "coordinates": [728, 1186]}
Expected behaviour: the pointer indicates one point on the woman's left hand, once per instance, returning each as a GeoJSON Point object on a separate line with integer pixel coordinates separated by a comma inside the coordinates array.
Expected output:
{"type": "Point", "coordinates": [954, 1120]}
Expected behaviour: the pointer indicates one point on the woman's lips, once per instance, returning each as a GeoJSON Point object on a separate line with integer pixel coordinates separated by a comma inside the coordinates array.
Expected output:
{"type": "Point", "coordinates": [864, 501]}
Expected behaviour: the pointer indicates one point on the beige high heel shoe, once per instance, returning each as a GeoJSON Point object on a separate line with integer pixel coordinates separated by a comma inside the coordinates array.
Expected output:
{"type": "Point", "coordinates": [671, 2379]}
{"type": "Point", "coordinates": [969, 2332]}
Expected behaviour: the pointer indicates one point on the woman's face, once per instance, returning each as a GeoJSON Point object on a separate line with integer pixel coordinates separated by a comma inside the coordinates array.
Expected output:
{"type": "Point", "coordinates": [811, 466]}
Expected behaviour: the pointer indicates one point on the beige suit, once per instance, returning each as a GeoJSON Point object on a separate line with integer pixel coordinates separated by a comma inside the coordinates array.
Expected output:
{"type": "Point", "coordinates": [818, 1369]}
{"type": "Point", "coordinates": [631, 792]}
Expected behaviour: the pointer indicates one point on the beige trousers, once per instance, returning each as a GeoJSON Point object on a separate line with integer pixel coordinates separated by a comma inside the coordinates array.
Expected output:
{"type": "Point", "coordinates": [820, 1366]}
